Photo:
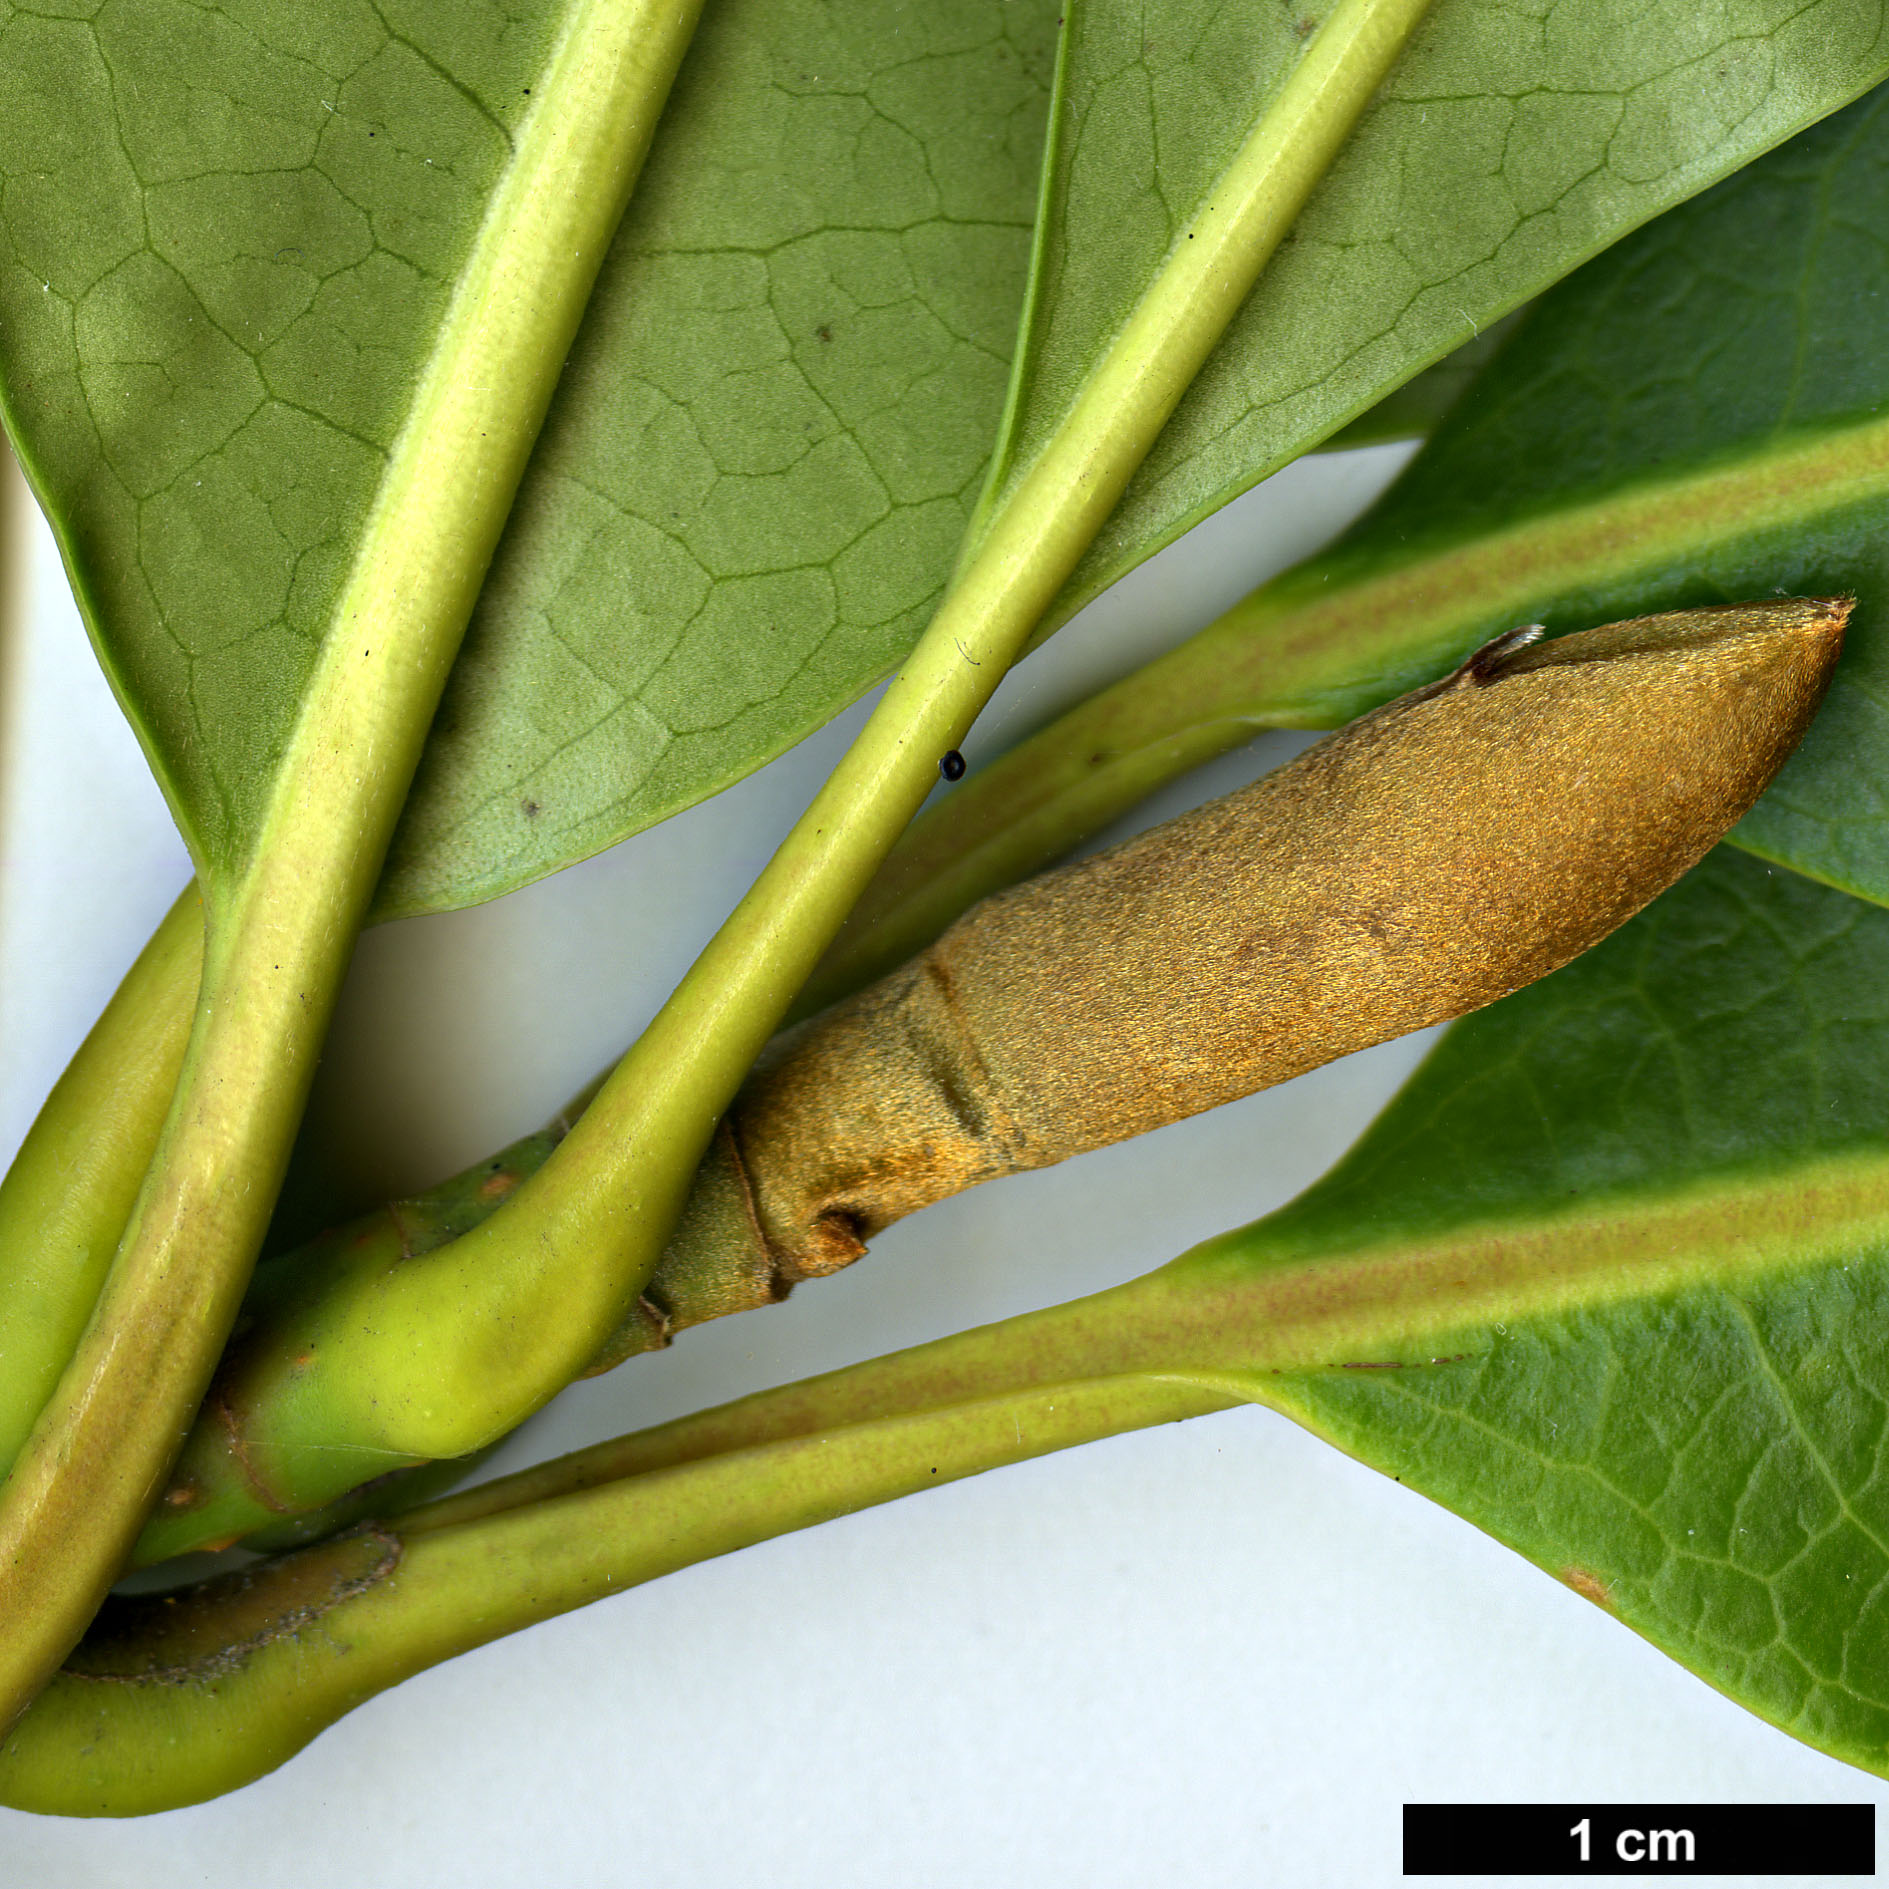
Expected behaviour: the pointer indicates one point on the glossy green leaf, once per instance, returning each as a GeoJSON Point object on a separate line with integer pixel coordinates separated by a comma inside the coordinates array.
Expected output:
{"type": "Point", "coordinates": [1502, 152]}
{"type": "Point", "coordinates": [1675, 1397]}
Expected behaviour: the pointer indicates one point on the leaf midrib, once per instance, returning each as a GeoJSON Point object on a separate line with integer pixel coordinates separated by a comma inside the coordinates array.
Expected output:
{"type": "Point", "coordinates": [1310, 644]}
{"type": "Point", "coordinates": [1230, 1310]}
{"type": "Point", "coordinates": [285, 903]}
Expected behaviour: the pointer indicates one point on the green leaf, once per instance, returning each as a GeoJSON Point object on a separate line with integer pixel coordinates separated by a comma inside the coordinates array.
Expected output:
{"type": "Point", "coordinates": [766, 446]}
{"type": "Point", "coordinates": [1499, 155]}
{"type": "Point", "coordinates": [578, 717]}
{"type": "Point", "coordinates": [754, 480]}
{"type": "Point", "coordinates": [1736, 345]}
{"type": "Point", "coordinates": [1692, 418]}
{"type": "Point", "coordinates": [302, 342]}
{"type": "Point", "coordinates": [230, 240]}
{"type": "Point", "coordinates": [299, 831]}
{"type": "Point", "coordinates": [230, 236]}
{"type": "Point", "coordinates": [1416, 408]}
{"type": "Point", "coordinates": [1658, 1371]}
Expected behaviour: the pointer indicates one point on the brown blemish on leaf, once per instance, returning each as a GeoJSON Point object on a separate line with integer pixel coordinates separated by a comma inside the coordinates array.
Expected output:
{"type": "Point", "coordinates": [1589, 1587]}
{"type": "Point", "coordinates": [498, 1185]}
{"type": "Point", "coordinates": [1402, 1364]}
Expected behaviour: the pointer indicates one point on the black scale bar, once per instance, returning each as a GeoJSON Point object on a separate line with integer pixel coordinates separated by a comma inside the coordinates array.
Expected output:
{"type": "Point", "coordinates": [1642, 1840]}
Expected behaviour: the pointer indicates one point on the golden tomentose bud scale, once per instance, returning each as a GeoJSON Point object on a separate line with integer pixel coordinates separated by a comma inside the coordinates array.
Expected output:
{"type": "Point", "coordinates": [1429, 858]}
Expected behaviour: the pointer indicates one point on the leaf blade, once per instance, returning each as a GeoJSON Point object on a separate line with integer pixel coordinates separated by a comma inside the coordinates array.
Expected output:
{"type": "Point", "coordinates": [1649, 439]}
{"type": "Point", "coordinates": [157, 389]}
{"type": "Point", "coordinates": [1689, 1435]}
{"type": "Point", "coordinates": [287, 884]}
{"type": "Point", "coordinates": [1454, 204]}
{"type": "Point", "coordinates": [752, 302]}
{"type": "Point", "coordinates": [316, 224]}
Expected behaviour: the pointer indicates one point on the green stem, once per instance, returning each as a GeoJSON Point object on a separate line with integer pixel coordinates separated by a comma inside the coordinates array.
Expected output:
{"type": "Point", "coordinates": [213, 1500]}
{"type": "Point", "coordinates": [171, 1701]}
{"type": "Point", "coordinates": [1138, 1331]}
{"type": "Point", "coordinates": [1317, 646]}
{"type": "Point", "coordinates": [433, 1358]}
{"type": "Point", "coordinates": [280, 935]}
{"type": "Point", "coordinates": [66, 1199]}
{"type": "Point", "coordinates": [1268, 1302]}
{"type": "Point", "coordinates": [1580, 777]}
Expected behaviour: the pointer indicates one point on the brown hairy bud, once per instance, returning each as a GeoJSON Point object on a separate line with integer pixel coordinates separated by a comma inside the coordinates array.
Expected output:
{"type": "Point", "coordinates": [1429, 858]}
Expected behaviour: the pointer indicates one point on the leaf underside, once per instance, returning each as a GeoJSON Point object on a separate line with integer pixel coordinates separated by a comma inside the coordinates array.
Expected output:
{"type": "Point", "coordinates": [230, 236]}
{"type": "Point", "coordinates": [1478, 194]}
{"type": "Point", "coordinates": [1504, 150]}
{"type": "Point", "coordinates": [230, 233]}
{"type": "Point", "coordinates": [1693, 418]}
{"type": "Point", "coordinates": [768, 441]}
{"type": "Point", "coordinates": [1501, 155]}
{"type": "Point", "coordinates": [1414, 410]}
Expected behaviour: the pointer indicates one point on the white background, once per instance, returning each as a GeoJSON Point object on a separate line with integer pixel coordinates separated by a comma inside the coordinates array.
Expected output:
{"type": "Point", "coordinates": [1216, 1653]}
